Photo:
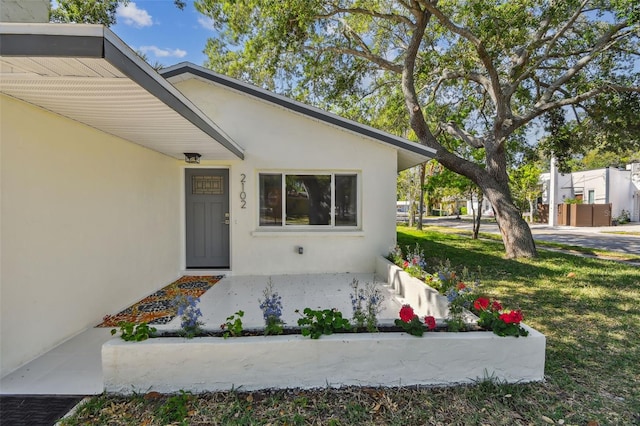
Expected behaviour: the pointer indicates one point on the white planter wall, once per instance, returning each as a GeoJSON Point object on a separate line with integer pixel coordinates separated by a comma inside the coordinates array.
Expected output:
{"type": "Point", "coordinates": [382, 359]}
{"type": "Point", "coordinates": [366, 359]}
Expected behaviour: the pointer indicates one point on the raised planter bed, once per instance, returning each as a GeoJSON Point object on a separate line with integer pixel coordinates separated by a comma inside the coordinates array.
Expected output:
{"type": "Point", "coordinates": [203, 364]}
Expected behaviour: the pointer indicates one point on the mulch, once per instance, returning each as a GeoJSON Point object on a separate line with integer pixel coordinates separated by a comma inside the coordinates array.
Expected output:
{"type": "Point", "coordinates": [158, 307]}
{"type": "Point", "coordinates": [35, 410]}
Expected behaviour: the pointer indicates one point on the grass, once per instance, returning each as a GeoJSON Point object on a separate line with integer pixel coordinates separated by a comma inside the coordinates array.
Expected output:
{"type": "Point", "coordinates": [589, 309]}
{"type": "Point", "coordinates": [622, 232]}
{"type": "Point", "coordinates": [604, 254]}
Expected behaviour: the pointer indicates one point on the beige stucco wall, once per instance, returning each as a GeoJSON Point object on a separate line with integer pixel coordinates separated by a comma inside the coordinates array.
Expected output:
{"type": "Point", "coordinates": [276, 139]}
{"type": "Point", "coordinates": [89, 223]}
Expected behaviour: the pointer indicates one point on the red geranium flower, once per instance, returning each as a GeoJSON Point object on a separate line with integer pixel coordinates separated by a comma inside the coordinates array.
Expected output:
{"type": "Point", "coordinates": [405, 264]}
{"type": "Point", "coordinates": [406, 313]}
{"type": "Point", "coordinates": [430, 322]}
{"type": "Point", "coordinates": [461, 286]}
{"type": "Point", "coordinates": [513, 317]}
{"type": "Point", "coordinates": [481, 303]}
{"type": "Point", "coordinates": [496, 306]}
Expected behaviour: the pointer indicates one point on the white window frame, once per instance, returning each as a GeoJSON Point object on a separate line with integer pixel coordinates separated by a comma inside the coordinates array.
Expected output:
{"type": "Point", "coordinates": [332, 226]}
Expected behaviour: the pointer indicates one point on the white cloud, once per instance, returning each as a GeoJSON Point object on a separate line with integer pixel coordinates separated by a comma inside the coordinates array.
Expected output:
{"type": "Point", "coordinates": [205, 22]}
{"type": "Point", "coordinates": [163, 53]}
{"type": "Point", "coordinates": [133, 16]}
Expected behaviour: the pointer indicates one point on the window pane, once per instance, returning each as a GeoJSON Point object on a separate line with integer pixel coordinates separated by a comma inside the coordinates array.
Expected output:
{"type": "Point", "coordinates": [308, 200]}
{"type": "Point", "coordinates": [270, 200]}
{"type": "Point", "coordinates": [346, 200]}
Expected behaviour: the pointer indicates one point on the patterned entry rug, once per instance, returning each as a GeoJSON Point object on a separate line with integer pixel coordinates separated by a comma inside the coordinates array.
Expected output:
{"type": "Point", "coordinates": [157, 308]}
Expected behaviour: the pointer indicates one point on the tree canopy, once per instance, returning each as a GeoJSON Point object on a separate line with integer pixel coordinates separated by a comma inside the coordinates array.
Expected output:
{"type": "Point", "coordinates": [476, 72]}
{"type": "Point", "coordinates": [91, 11]}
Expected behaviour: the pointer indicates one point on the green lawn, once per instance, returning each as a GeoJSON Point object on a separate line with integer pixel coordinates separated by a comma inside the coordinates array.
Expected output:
{"type": "Point", "coordinates": [589, 309]}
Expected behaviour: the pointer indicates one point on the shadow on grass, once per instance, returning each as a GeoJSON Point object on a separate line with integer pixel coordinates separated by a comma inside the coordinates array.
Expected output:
{"type": "Point", "coordinates": [589, 309]}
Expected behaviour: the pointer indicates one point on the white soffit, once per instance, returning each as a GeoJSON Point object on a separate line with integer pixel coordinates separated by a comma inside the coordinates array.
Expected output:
{"type": "Point", "coordinates": [92, 91]}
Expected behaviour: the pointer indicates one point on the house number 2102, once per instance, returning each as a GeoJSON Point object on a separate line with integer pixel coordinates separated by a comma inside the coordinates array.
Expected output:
{"type": "Point", "coordinates": [243, 195]}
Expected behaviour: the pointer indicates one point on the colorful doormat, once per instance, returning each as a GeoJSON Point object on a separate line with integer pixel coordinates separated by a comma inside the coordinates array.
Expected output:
{"type": "Point", "coordinates": [157, 308]}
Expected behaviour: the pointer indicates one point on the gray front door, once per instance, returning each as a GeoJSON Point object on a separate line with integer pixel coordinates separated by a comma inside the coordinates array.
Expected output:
{"type": "Point", "coordinates": [207, 216]}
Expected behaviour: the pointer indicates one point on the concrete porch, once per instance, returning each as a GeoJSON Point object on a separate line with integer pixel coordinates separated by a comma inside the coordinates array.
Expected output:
{"type": "Point", "coordinates": [75, 366]}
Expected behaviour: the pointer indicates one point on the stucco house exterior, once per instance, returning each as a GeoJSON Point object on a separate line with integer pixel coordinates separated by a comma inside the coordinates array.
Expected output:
{"type": "Point", "coordinates": [610, 185]}
{"type": "Point", "coordinates": [98, 207]}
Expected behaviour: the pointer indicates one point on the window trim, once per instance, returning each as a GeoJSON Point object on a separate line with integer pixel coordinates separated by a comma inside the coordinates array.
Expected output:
{"type": "Point", "coordinates": [332, 227]}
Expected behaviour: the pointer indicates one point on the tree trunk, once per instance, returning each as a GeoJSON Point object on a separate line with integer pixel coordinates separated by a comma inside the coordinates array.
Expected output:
{"type": "Point", "coordinates": [476, 220]}
{"type": "Point", "coordinates": [492, 180]}
{"type": "Point", "coordinates": [423, 169]}
{"type": "Point", "coordinates": [530, 210]}
{"type": "Point", "coordinates": [516, 234]}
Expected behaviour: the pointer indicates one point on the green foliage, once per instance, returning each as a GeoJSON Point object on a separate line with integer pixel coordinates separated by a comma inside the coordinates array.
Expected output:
{"type": "Point", "coordinates": [131, 332]}
{"type": "Point", "coordinates": [625, 217]}
{"type": "Point", "coordinates": [573, 201]}
{"type": "Point", "coordinates": [91, 11]}
{"type": "Point", "coordinates": [233, 326]}
{"type": "Point", "coordinates": [415, 326]}
{"type": "Point", "coordinates": [467, 78]}
{"type": "Point", "coordinates": [175, 409]}
{"type": "Point", "coordinates": [315, 323]}
{"type": "Point", "coordinates": [491, 320]}
{"type": "Point", "coordinates": [525, 185]}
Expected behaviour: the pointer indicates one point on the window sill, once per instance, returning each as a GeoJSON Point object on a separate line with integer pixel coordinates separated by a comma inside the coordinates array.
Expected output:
{"type": "Point", "coordinates": [308, 233]}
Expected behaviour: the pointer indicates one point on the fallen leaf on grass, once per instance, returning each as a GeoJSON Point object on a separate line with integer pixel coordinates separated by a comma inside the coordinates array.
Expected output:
{"type": "Point", "coordinates": [152, 395]}
{"type": "Point", "coordinates": [547, 420]}
{"type": "Point", "coordinates": [571, 275]}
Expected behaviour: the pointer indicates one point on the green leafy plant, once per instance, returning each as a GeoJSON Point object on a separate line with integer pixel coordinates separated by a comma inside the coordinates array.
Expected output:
{"type": "Point", "coordinates": [624, 217]}
{"type": "Point", "coordinates": [175, 409]}
{"type": "Point", "coordinates": [411, 323]}
{"type": "Point", "coordinates": [315, 323]}
{"type": "Point", "coordinates": [366, 304]}
{"type": "Point", "coordinates": [492, 317]}
{"type": "Point", "coordinates": [131, 332]}
{"type": "Point", "coordinates": [233, 326]}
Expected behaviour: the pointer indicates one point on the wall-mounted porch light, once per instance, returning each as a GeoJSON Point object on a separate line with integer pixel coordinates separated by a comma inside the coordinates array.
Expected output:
{"type": "Point", "coordinates": [192, 157]}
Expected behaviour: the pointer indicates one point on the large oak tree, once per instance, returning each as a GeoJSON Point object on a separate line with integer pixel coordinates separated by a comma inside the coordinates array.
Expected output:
{"type": "Point", "coordinates": [476, 71]}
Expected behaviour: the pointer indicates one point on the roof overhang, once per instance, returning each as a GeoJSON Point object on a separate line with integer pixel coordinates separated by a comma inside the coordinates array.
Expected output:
{"type": "Point", "coordinates": [86, 73]}
{"type": "Point", "coordinates": [409, 153]}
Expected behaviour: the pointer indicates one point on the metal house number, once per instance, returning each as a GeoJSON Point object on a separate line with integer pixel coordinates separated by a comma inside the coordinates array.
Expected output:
{"type": "Point", "coordinates": [243, 195]}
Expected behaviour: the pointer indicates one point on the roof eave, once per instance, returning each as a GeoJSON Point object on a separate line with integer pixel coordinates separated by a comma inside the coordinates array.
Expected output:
{"type": "Point", "coordinates": [96, 41]}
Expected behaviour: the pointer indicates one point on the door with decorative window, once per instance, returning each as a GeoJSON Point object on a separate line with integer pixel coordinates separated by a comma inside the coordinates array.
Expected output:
{"type": "Point", "coordinates": [207, 218]}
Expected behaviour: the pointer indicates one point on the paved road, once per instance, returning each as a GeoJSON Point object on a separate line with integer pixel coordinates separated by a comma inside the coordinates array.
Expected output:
{"type": "Point", "coordinates": [596, 238]}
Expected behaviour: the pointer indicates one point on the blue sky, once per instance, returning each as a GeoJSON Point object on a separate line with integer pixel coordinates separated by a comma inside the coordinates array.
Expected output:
{"type": "Point", "coordinates": [163, 32]}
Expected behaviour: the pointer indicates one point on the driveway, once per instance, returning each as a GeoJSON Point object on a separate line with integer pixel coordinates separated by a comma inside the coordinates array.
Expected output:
{"type": "Point", "coordinates": [595, 237]}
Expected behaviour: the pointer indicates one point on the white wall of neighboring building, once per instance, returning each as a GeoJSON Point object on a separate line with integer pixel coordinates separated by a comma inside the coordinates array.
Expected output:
{"type": "Point", "coordinates": [621, 191]}
{"type": "Point", "coordinates": [609, 185]}
{"type": "Point", "coordinates": [279, 140]}
{"type": "Point", "coordinates": [634, 169]}
{"type": "Point", "coordinates": [590, 180]}
{"type": "Point", "coordinates": [89, 223]}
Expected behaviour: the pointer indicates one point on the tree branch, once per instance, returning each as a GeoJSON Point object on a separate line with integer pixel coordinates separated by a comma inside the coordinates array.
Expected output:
{"type": "Point", "coordinates": [495, 89]}
{"type": "Point", "coordinates": [381, 62]}
{"type": "Point", "coordinates": [453, 129]}
{"type": "Point", "coordinates": [368, 12]}
{"type": "Point", "coordinates": [606, 41]}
